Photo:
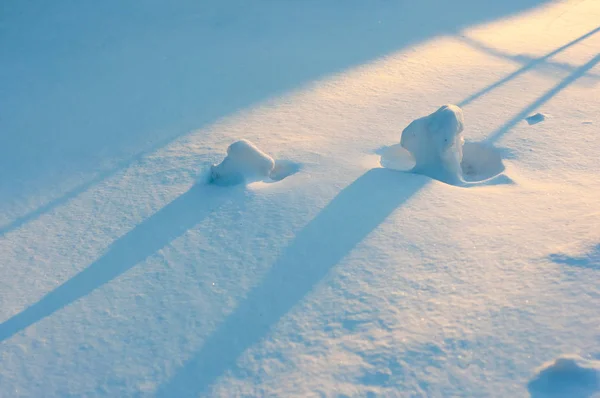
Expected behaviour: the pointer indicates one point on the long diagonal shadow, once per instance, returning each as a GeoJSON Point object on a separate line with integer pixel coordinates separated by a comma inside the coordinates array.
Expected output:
{"type": "Point", "coordinates": [577, 73]}
{"type": "Point", "coordinates": [529, 61]}
{"type": "Point", "coordinates": [73, 193]}
{"type": "Point", "coordinates": [135, 246]}
{"type": "Point", "coordinates": [525, 68]}
{"type": "Point", "coordinates": [329, 237]}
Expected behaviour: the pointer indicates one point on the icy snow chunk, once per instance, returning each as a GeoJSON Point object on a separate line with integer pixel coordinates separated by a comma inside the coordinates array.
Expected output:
{"type": "Point", "coordinates": [535, 119]}
{"type": "Point", "coordinates": [436, 143]}
{"type": "Point", "coordinates": [567, 376]}
{"type": "Point", "coordinates": [246, 163]}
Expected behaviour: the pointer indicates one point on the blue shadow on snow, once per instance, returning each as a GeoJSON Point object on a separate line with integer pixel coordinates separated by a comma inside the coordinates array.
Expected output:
{"type": "Point", "coordinates": [348, 219]}
{"type": "Point", "coordinates": [590, 260]}
{"type": "Point", "coordinates": [145, 239]}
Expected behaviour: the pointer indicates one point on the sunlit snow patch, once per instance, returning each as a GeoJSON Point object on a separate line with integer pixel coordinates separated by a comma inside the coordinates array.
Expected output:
{"type": "Point", "coordinates": [245, 163]}
{"type": "Point", "coordinates": [567, 376]}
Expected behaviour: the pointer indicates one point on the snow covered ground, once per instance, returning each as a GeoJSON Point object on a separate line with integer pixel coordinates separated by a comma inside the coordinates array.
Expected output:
{"type": "Point", "coordinates": [122, 277]}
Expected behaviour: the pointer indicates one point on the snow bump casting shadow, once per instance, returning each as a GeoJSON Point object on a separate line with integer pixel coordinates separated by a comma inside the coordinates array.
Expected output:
{"type": "Point", "coordinates": [245, 164]}
{"type": "Point", "coordinates": [434, 146]}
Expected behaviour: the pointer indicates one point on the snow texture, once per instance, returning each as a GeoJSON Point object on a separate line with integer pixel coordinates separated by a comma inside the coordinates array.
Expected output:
{"type": "Point", "coordinates": [124, 277]}
{"type": "Point", "coordinates": [567, 376]}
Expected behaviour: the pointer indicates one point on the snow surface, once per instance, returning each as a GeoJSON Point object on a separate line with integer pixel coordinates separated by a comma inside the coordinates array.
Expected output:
{"type": "Point", "coordinates": [123, 277]}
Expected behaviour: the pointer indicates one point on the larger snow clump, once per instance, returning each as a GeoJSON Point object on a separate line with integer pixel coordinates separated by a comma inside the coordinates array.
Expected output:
{"type": "Point", "coordinates": [567, 376]}
{"type": "Point", "coordinates": [436, 143]}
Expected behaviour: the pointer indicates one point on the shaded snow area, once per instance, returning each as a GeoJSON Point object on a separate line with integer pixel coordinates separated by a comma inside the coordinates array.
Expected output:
{"type": "Point", "coordinates": [299, 198]}
{"type": "Point", "coordinates": [567, 376]}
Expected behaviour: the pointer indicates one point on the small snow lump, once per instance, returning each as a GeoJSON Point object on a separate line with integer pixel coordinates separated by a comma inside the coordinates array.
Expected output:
{"type": "Point", "coordinates": [535, 119]}
{"type": "Point", "coordinates": [244, 163]}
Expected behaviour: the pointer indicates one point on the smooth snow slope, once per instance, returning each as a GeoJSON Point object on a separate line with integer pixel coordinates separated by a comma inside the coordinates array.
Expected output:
{"type": "Point", "coordinates": [122, 278]}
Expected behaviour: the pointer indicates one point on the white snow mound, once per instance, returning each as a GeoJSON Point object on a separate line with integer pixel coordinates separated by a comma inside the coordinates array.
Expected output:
{"type": "Point", "coordinates": [567, 376]}
{"type": "Point", "coordinates": [436, 143]}
{"type": "Point", "coordinates": [245, 162]}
